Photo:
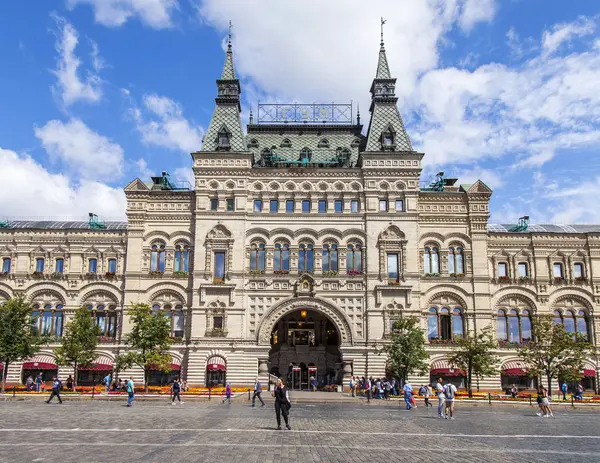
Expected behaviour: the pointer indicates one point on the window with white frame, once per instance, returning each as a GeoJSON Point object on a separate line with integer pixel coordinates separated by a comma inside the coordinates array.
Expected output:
{"type": "Point", "coordinates": [105, 318]}
{"type": "Point", "coordinates": [59, 265]}
{"type": "Point", "coordinates": [330, 257]}
{"type": "Point", "coordinates": [258, 257]}
{"type": "Point", "coordinates": [47, 319]}
{"type": "Point", "coordinates": [6, 263]}
{"type": "Point", "coordinates": [431, 260]}
{"type": "Point", "coordinates": [306, 258]}
{"type": "Point", "coordinates": [502, 270]}
{"type": "Point", "coordinates": [175, 314]}
{"type": "Point", "coordinates": [354, 258]}
{"type": "Point", "coordinates": [578, 271]}
{"type": "Point", "coordinates": [393, 266]}
{"type": "Point", "coordinates": [281, 258]}
{"type": "Point", "coordinates": [383, 205]}
{"type": "Point", "coordinates": [444, 323]}
{"type": "Point", "coordinates": [182, 258]}
{"type": "Point", "coordinates": [558, 270]}
{"type": "Point", "coordinates": [523, 270]}
{"type": "Point", "coordinates": [157, 257]}
{"type": "Point", "coordinates": [456, 261]}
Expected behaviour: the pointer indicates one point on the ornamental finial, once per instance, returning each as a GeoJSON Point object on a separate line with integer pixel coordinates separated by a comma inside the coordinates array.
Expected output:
{"type": "Point", "coordinates": [383, 21]}
{"type": "Point", "coordinates": [229, 41]}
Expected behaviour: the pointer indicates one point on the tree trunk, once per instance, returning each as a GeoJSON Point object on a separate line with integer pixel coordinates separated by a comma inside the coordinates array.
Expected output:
{"type": "Point", "coordinates": [4, 372]}
{"type": "Point", "coordinates": [146, 371]}
{"type": "Point", "coordinates": [75, 378]}
{"type": "Point", "coordinates": [549, 379]}
{"type": "Point", "coordinates": [469, 380]}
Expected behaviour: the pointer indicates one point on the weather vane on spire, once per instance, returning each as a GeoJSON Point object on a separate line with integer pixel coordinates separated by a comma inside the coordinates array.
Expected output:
{"type": "Point", "coordinates": [383, 21]}
{"type": "Point", "coordinates": [230, 27]}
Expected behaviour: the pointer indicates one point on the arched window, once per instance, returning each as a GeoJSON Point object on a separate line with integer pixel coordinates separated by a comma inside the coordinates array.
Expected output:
{"type": "Point", "coordinates": [354, 259]}
{"type": "Point", "coordinates": [48, 321]}
{"type": "Point", "coordinates": [176, 316]}
{"type": "Point", "coordinates": [39, 265]}
{"type": "Point", "coordinates": [306, 258]}
{"type": "Point", "coordinates": [59, 265]}
{"type": "Point", "coordinates": [92, 265]}
{"type": "Point", "coordinates": [431, 260]}
{"type": "Point", "coordinates": [323, 143]}
{"type": "Point", "coordinates": [112, 266]}
{"type": "Point", "coordinates": [257, 257]}
{"type": "Point", "coordinates": [281, 258]}
{"type": "Point", "coordinates": [286, 143]}
{"type": "Point", "coordinates": [512, 326]}
{"type": "Point", "coordinates": [330, 258]}
{"type": "Point", "coordinates": [223, 140]}
{"type": "Point", "coordinates": [157, 261]}
{"type": "Point", "coordinates": [182, 258]}
{"type": "Point", "coordinates": [6, 265]}
{"type": "Point", "coordinates": [444, 324]}
{"type": "Point", "coordinates": [105, 318]}
{"type": "Point", "coordinates": [574, 321]}
{"type": "Point", "coordinates": [456, 261]}
{"type": "Point", "coordinates": [305, 155]}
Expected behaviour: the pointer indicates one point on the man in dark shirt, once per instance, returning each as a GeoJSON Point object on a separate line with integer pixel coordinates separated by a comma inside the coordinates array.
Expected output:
{"type": "Point", "coordinates": [56, 385]}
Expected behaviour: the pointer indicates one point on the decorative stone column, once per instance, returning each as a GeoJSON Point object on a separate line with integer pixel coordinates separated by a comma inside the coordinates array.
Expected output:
{"type": "Point", "coordinates": [263, 367]}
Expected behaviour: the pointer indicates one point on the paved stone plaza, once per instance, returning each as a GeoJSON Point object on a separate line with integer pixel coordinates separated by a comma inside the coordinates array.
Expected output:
{"type": "Point", "coordinates": [156, 431]}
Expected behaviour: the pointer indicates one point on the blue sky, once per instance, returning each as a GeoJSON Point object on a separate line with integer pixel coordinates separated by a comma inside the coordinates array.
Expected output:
{"type": "Point", "coordinates": [94, 93]}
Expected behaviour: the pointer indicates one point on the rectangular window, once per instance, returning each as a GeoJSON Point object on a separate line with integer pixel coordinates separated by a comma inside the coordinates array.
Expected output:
{"type": "Point", "coordinates": [354, 207]}
{"type": "Point", "coordinates": [306, 205]}
{"type": "Point", "coordinates": [290, 206]}
{"type": "Point", "coordinates": [322, 206]}
{"type": "Point", "coordinates": [523, 271]}
{"type": "Point", "coordinates": [399, 205]}
{"type": "Point", "coordinates": [578, 271]}
{"type": "Point", "coordinates": [339, 206]}
{"type": "Point", "coordinates": [59, 266]}
{"type": "Point", "coordinates": [219, 266]}
{"type": "Point", "coordinates": [230, 205]}
{"type": "Point", "coordinates": [257, 205]}
{"type": "Point", "coordinates": [392, 263]}
{"type": "Point", "coordinates": [39, 265]}
{"type": "Point", "coordinates": [6, 265]}
{"type": "Point", "coordinates": [93, 263]}
{"type": "Point", "coordinates": [214, 204]}
{"type": "Point", "coordinates": [178, 324]}
{"type": "Point", "coordinates": [502, 270]}
{"type": "Point", "coordinates": [218, 323]}
{"type": "Point", "coordinates": [274, 206]}
{"type": "Point", "coordinates": [383, 205]}
{"type": "Point", "coordinates": [112, 265]}
{"type": "Point", "coordinates": [558, 271]}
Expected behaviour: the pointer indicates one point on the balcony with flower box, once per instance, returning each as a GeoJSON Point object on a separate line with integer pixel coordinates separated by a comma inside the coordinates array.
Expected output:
{"type": "Point", "coordinates": [281, 272]}
{"type": "Point", "coordinates": [524, 280]}
{"type": "Point", "coordinates": [442, 342]}
{"type": "Point", "coordinates": [155, 274]}
{"type": "Point", "coordinates": [503, 280]}
{"type": "Point", "coordinates": [353, 273]}
{"type": "Point", "coordinates": [217, 333]}
{"type": "Point", "coordinates": [330, 273]}
{"type": "Point", "coordinates": [457, 276]}
{"type": "Point", "coordinates": [38, 275]}
{"type": "Point", "coordinates": [108, 340]}
{"type": "Point", "coordinates": [559, 281]}
{"type": "Point", "coordinates": [580, 280]}
{"type": "Point", "coordinates": [180, 274]}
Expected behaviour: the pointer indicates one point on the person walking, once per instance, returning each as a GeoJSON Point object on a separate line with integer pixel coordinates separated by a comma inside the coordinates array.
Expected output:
{"type": "Point", "coordinates": [257, 392]}
{"type": "Point", "coordinates": [130, 388]}
{"type": "Point", "coordinates": [56, 385]}
{"type": "Point", "coordinates": [352, 386]}
{"type": "Point", "coordinates": [176, 391]}
{"type": "Point", "coordinates": [368, 390]}
{"type": "Point", "coordinates": [227, 393]}
{"type": "Point", "coordinates": [69, 383]}
{"type": "Point", "coordinates": [514, 391]}
{"type": "Point", "coordinates": [29, 383]}
{"type": "Point", "coordinates": [38, 382]}
{"type": "Point", "coordinates": [544, 403]}
{"type": "Point", "coordinates": [282, 404]}
{"type": "Point", "coordinates": [439, 390]}
{"type": "Point", "coordinates": [107, 380]}
{"type": "Point", "coordinates": [450, 393]}
{"type": "Point", "coordinates": [425, 392]}
{"type": "Point", "coordinates": [563, 389]}
{"type": "Point", "coordinates": [408, 390]}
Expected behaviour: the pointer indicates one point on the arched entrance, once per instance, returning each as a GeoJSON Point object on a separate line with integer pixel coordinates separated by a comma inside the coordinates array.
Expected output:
{"type": "Point", "coordinates": [305, 344]}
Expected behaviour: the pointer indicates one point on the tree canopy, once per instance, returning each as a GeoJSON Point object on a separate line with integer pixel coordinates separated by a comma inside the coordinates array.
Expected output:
{"type": "Point", "coordinates": [150, 339]}
{"type": "Point", "coordinates": [406, 353]}
{"type": "Point", "coordinates": [473, 354]}
{"type": "Point", "coordinates": [17, 341]}
{"type": "Point", "coordinates": [78, 345]}
{"type": "Point", "coordinates": [554, 352]}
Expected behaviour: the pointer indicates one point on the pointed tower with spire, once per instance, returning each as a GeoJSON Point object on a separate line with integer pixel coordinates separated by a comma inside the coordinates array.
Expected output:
{"type": "Point", "coordinates": [386, 129]}
{"type": "Point", "coordinates": [225, 130]}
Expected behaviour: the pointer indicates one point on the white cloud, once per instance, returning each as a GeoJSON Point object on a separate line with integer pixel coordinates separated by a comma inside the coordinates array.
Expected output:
{"type": "Point", "coordinates": [82, 151]}
{"type": "Point", "coordinates": [71, 85]}
{"type": "Point", "coordinates": [161, 122]}
{"type": "Point", "coordinates": [185, 174]}
{"type": "Point", "coordinates": [143, 169]}
{"type": "Point", "coordinates": [475, 11]}
{"type": "Point", "coordinates": [319, 60]}
{"type": "Point", "coordinates": [564, 32]}
{"type": "Point", "coordinates": [30, 191]}
{"type": "Point", "coordinates": [114, 13]}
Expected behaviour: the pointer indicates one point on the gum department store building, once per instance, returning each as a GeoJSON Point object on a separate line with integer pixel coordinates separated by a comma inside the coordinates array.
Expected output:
{"type": "Point", "coordinates": [301, 243]}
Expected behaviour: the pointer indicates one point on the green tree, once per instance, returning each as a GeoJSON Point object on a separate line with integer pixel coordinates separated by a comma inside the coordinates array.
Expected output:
{"type": "Point", "coordinates": [78, 345]}
{"type": "Point", "coordinates": [17, 340]}
{"type": "Point", "coordinates": [473, 354]}
{"type": "Point", "coordinates": [406, 353]}
{"type": "Point", "coordinates": [554, 353]}
{"type": "Point", "coordinates": [150, 339]}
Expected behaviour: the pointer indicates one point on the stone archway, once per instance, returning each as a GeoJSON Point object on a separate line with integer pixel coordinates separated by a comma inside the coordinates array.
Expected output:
{"type": "Point", "coordinates": [281, 309]}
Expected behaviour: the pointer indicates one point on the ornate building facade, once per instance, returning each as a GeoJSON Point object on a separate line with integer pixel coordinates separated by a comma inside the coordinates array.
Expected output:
{"type": "Point", "coordinates": [301, 243]}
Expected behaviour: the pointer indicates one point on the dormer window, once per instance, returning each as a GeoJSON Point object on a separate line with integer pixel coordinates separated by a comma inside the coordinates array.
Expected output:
{"type": "Point", "coordinates": [223, 141]}
{"type": "Point", "coordinates": [387, 140]}
{"type": "Point", "coordinates": [305, 155]}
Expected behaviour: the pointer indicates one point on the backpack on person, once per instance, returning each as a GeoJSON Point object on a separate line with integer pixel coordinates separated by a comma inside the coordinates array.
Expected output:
{"type": "Point", "coordinates": [449, 391]}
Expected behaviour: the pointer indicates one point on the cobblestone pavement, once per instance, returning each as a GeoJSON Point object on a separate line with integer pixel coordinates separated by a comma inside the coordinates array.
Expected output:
{"type": "Point", "coordinates": [211, 431]}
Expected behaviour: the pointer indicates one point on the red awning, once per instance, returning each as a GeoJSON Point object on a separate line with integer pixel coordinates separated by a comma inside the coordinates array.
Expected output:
{"type": "Point", "coordinates": [216, 363]}
{"type": "Point", "coordinates": [589, 373]}
{"type": "Point", "coordinates": [101, 364]}
{"type": "Point", "coordinates": [443, 368]}
{"type": "Point", "coordinates": [40, 362]}
{"type": "Point", "coordinates": [514, 368]}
